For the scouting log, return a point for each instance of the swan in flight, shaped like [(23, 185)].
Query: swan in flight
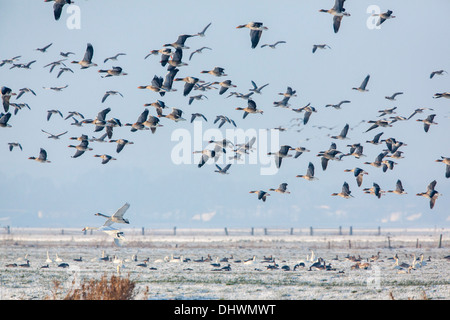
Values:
[(116, 217), (113, 232)]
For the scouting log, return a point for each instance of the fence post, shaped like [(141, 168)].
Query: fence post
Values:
[(226, 231), (292, 231), (389, 242), (142, 231), (340, 230), (310, 231), (440, 241), (265, 231), (351, 230), (379, 230), (253, 231), (349, 244), (174, 231)]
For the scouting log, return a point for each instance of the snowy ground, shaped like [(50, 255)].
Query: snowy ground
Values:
[(173, 279)]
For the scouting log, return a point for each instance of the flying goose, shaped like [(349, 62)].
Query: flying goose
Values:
[(57, 7), (274, 45), (320, 46), (105, 158), (383, 16), (4, 118), (362, 87), (223, 170), (54, 136), (438, 72), (206, 155), (6, 96), (398, 188), (197, 115), (431, 193), (256, 29), (358, 173), (180, 43), (87, 59), (309, 173), (251, 108), (280, 154), (114, 57), (392, 98), (282, 188), (121, 143), (200, 50), (338, 106), (42, 158), (375, 190), (81, 148), (262, 195), (345, 193), (427, 122), (446, 161), (202, 33), (12, 145), (338, 12), (343, 134), (115, 71)]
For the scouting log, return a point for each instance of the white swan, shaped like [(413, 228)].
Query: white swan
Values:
[(113, 232), (57, 259), (250, 261), (48, 260), (116, 217)]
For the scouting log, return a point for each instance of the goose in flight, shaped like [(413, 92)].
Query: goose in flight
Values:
[(197, 115), (446, 161), (224, 86), (9, 61), (223, 170), (42, 158), (418, 110), (392, 98), (58, 6), (62, 70), (282, 188), (66, 54), (44, 49), (442, 95), (362, 87), (155, 86), (189, 84), (338, 106), (375, 190), (438, 72), (379, 123), (309, 173), (289, 92), (383, 16), (114, 57), (427, 122), (299, 151), (139, 124), (105, 157), (115, 71), (202, 33), (338, 12), (81, 148), (111, 231), (87, 59), (25, 90), (175, 115), (54, 64), (121, 143), (152, 122), (12, 145), (387, 111), (284, 103), (54, 136), (378, 160), (358, 173), (330, 154), (343, 134), (280, 154), (52, 112), (110, 93), (206, 155), (345, 193), (320, 46), (251, 108), (274, 45), (398, 188), (262, 195), (6, 96), (180, 43), (23, 65), (200, 50), (308, 112), (431, 193), (216, 71), (117, 217), (4, 118), (257, 89), (57, 89), (223, 119), (256, 29), (376, 139)]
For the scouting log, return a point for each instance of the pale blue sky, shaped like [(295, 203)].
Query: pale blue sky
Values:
[(67, 192)]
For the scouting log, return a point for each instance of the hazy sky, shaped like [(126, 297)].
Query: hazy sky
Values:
[(67, 192)]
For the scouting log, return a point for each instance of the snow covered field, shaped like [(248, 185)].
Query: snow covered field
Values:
[(173, 270)]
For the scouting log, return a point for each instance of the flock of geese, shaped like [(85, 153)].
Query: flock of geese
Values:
[(311, 262), (171, 57)]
